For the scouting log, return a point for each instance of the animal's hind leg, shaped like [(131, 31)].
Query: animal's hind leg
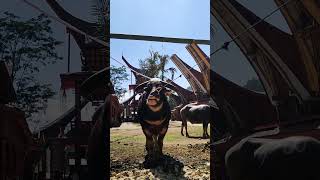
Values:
[(182, 125), (205, 130), (186, 125)]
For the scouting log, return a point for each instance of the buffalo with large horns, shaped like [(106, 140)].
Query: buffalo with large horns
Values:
[(154, 114)]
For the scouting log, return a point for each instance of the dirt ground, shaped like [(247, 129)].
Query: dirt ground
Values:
[(185, 158)]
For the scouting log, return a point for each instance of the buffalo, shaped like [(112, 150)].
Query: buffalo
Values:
[(196, 114), (175, 112), (154, 114), (291, 158)]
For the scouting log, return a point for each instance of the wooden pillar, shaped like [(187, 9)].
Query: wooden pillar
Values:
[(57, 158), (68, 51), (48, 164), (76, 131)]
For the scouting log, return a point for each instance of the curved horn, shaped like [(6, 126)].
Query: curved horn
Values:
[(129, 99), (99, 79), (169, 85), (140, 86)]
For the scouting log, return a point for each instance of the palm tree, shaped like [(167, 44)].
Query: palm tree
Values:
[(164, 59), (149, 66), (154, 65)]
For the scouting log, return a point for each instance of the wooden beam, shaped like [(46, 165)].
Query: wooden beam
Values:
[(158, 39), (313, 7)]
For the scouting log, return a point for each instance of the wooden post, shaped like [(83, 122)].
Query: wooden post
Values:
[(76, 130), (68, 51)]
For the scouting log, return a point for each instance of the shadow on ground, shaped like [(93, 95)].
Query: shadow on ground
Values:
[(168, 167), (198, 137)]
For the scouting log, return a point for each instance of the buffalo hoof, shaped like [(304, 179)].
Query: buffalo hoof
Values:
[(182, 134), (205, 136), (148, 164), (151, 161), (187, 135)]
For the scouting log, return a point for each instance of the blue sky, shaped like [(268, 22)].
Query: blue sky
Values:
[(168, 18)]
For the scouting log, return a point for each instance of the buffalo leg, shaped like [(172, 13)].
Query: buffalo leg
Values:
[(162, 133), (149, 142), (205, 130), (186, 124), (182, 125)]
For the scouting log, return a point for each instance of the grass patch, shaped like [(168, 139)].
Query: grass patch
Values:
[(173, 135), (125, 138)]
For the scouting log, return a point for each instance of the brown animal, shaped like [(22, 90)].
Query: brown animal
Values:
[(154, 115), (116, 110), (175, 113), (293, 158), (196, 114)]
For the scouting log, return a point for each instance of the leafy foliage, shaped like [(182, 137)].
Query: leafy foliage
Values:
[(163, 59), (101, 11), (118, 75), (154, 65), (28, 45)]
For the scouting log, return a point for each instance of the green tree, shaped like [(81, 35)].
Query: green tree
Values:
[(163, 61), (254, 84), (27, 46), (155, 65), (149, 66), (100, 9), (118, 75)]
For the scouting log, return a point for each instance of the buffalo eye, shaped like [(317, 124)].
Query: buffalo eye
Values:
[(166, 91), (148, 87)]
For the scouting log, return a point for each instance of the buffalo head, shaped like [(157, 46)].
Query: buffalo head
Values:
[(154, 91)]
